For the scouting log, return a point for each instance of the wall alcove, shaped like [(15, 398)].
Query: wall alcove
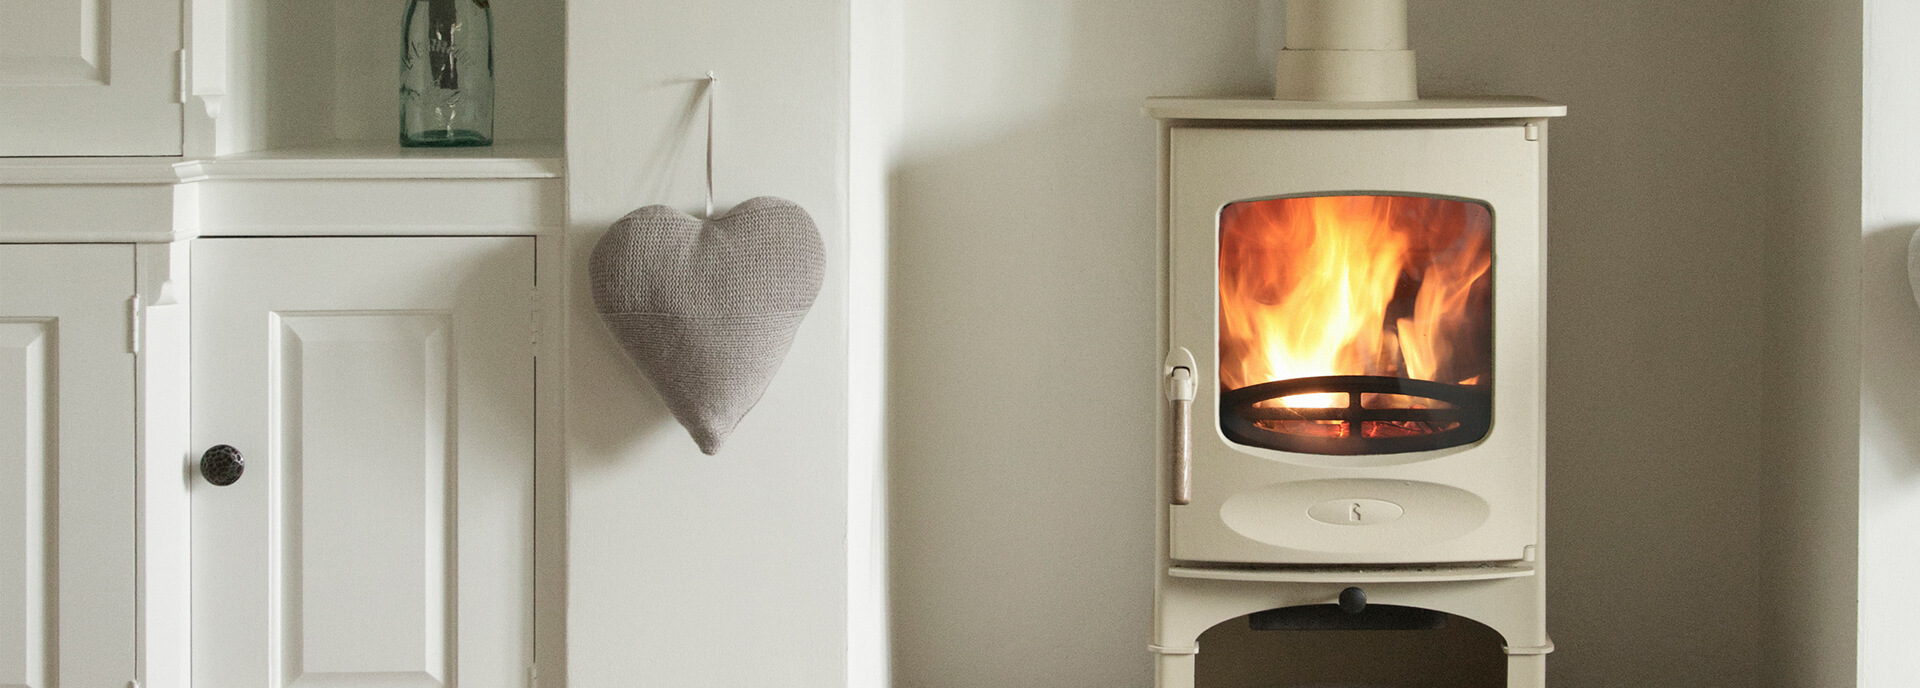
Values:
[(286, 74)]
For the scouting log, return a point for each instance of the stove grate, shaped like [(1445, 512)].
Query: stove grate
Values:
[(1453, 415)]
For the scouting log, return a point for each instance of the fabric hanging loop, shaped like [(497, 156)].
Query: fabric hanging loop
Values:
[(712, 82)]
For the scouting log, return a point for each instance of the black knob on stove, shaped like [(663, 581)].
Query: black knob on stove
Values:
[(1353, 600)]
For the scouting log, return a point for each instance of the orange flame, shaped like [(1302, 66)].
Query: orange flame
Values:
[(1354, 285)]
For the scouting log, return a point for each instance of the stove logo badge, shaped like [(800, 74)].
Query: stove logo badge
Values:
[(1355, 512)]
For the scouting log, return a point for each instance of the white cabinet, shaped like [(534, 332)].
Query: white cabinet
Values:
[(382, 391), (90, 77), (371, 351), (381, 386), (67, 466)]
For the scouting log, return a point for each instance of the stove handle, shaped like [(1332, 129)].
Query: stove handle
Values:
[(1181, 388)]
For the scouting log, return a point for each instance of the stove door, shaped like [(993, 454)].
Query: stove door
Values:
[(1364, 307)]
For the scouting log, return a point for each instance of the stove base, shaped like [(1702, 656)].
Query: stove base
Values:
[(1185, 608)]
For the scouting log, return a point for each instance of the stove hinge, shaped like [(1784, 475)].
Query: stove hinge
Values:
[(1182, 386)]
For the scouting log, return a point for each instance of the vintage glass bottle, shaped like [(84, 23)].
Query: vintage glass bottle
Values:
[(446, 74)]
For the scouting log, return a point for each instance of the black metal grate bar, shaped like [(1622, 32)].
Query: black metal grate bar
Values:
[(1464, 416)]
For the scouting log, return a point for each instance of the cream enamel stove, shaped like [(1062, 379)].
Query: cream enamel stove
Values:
[(1355, 304)]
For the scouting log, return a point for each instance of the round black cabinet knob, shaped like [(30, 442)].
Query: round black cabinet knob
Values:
[(222, 465), (1353, 600)]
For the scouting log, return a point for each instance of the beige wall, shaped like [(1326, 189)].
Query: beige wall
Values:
[(1022, 349), (1659, 210), (1813, 294)]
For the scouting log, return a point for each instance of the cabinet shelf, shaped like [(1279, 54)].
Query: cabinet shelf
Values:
[(508, 188), (343, 160), (350, 188)]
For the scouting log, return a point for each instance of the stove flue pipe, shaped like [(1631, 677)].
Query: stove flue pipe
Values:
[(1346, 51)]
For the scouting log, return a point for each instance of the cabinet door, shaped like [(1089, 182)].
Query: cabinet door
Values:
[(66, 467), (381, 390), (90, 77)]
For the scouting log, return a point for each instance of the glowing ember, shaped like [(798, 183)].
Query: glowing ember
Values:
[(1392, 286)]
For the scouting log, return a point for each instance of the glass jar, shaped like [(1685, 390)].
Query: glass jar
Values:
[(446, 74)]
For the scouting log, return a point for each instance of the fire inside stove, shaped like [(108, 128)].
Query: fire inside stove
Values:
[(1358, 324)]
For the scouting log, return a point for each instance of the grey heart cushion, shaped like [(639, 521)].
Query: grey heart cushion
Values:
[(707, 309)]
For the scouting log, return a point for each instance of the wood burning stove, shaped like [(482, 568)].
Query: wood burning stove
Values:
[(1362, 301), (1355, 308)]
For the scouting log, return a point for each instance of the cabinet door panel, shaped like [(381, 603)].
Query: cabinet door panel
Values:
[(66, 467), (89, 77), (382, 391)]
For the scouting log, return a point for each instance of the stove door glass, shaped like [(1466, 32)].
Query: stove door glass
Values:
[(1356, 324)]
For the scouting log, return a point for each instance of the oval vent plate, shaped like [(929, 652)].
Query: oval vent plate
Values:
[(1321, 515)]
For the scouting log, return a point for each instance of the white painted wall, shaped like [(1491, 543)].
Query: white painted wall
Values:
[(689, 570), (1890, 351), (1022, 358), (877, 47)]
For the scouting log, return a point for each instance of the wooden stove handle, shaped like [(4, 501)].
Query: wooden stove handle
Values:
[(1180, 390)]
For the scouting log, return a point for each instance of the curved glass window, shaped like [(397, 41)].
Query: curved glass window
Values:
[(1356, 324)]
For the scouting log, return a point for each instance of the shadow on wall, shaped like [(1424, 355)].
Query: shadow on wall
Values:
[(610, 416), (1889, 404), (1022, 411), (1023, 340), (1656, 360)]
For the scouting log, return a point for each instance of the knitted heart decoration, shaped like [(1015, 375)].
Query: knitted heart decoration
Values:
[(708, 309)]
